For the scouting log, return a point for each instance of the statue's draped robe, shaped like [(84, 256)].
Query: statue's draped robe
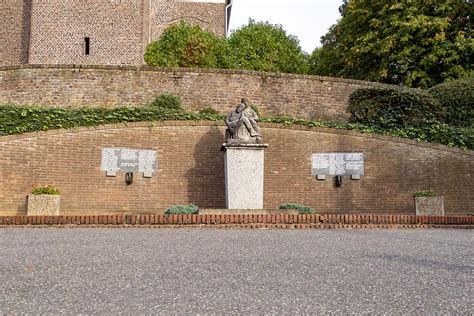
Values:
[(236, 127)]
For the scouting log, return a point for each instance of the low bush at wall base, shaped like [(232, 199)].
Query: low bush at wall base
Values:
[(246, 221)]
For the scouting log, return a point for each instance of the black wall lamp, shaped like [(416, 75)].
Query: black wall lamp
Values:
[(338, 181), (129, 178)]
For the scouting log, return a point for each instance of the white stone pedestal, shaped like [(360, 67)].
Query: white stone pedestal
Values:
[(244, 175)]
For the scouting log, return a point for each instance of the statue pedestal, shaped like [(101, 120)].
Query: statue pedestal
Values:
[(244, 175)]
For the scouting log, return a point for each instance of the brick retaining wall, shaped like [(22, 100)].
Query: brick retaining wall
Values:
[(309, 97), (191, 169)]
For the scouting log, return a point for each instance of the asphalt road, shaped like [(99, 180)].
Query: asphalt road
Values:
[(236, 271)]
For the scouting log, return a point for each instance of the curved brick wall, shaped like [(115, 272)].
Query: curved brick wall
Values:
[(310, 97), (191, 169)]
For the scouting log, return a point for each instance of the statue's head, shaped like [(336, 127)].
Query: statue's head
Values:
[(245, 100), (240, 107)]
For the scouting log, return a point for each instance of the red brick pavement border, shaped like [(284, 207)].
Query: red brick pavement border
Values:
[(322, 221)]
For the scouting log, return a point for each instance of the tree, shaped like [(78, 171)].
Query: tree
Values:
[(184, 45), (314, 61), (266, 47), (417, 43)]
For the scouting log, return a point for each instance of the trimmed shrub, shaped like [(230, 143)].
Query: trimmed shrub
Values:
[(167, 101), (266, 47), (208, 111), (50, 190), (301, 208), (394, 108), (182, 209), (457, 98), (184, 45)]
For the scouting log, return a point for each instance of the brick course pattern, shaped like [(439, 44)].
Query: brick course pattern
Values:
[(191, 169), (309, 97), (54, 31), (58, 29), (316, 221), (210, 16), (14, 31)]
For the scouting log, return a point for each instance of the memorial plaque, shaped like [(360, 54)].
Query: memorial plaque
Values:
[(128, 160), (338, 164), (109, 161)]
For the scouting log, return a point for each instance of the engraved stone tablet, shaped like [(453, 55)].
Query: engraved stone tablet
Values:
[(338, 164), (129, 160), (109, 162), (147, 161)]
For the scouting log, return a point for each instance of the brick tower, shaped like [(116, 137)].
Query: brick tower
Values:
[(96, 32), (15, 16), (210, 15)]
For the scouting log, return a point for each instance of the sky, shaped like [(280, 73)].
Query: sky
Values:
[(306, 19)]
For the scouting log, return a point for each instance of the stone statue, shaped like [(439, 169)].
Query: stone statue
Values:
[(242, 124)]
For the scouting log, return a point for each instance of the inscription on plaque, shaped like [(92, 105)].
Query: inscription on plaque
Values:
[(338, 164), (128, 160)]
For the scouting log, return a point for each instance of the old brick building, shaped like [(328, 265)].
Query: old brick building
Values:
[(96, 32)]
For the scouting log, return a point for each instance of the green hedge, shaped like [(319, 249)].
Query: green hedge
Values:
[(17, 120), (185, 45), (208, 111), (457, 98), (167, 101), (413, 114), (394, 108), (257, 46)]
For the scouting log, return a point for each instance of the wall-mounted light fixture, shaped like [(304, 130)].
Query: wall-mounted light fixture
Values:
[(338, 181), (129, 178)]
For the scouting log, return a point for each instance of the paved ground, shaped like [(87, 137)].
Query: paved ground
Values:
[(236, 271)]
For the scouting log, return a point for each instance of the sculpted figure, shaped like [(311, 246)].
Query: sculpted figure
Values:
[(242, 123), (252, 115)]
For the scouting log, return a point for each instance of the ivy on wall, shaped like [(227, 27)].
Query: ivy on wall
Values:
[(436, 133), (17, 120)]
